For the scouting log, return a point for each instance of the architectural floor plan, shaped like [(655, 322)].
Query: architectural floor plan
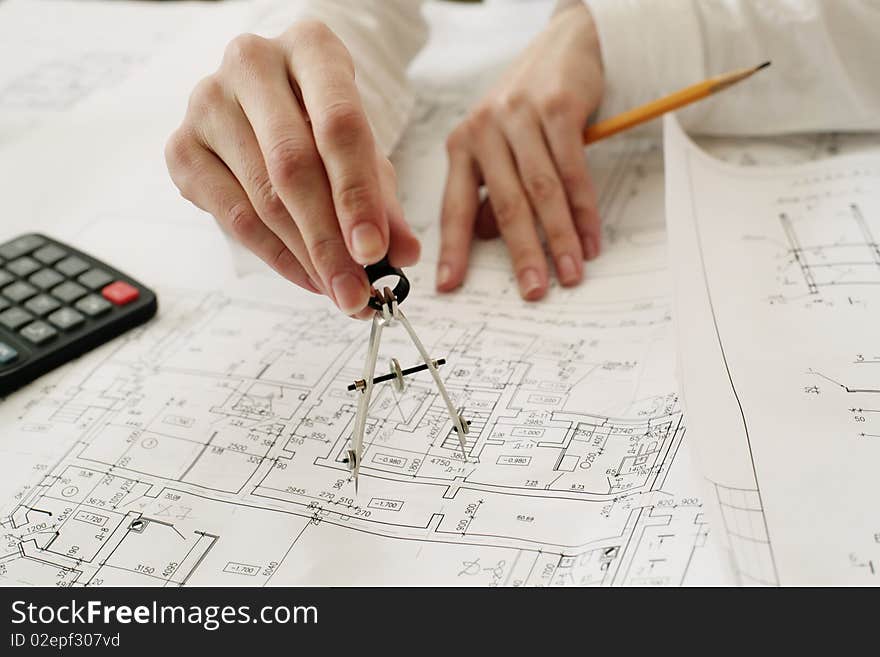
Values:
[(208, 448)]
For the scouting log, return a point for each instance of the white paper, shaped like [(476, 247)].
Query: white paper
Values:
[(57, 54), (207, 444), (777, 302), (218, 430)]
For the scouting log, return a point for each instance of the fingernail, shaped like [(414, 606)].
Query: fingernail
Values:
[(529, 284), (366, 242), (590, 247), (444, 275), (566, 270), (350, 294), (366, 313)]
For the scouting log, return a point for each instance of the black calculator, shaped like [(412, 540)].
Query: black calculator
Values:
[(56, 303)]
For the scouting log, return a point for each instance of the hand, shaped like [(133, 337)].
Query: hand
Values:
[(524, 142), (277, 147)]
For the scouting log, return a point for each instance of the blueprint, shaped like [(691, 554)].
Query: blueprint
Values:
[(207, 447), (778, 298)]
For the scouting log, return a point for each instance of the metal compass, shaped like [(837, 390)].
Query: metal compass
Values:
[(386, 303)]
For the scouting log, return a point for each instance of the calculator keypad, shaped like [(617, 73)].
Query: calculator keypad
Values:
[(49, 295), (66, 319), (42, 304), (68, 291), (93, 305), (7, 353), (120, 293), (46, 278), (19, 291), (95, 279), (50, 254), (38, 332), (21, 246), (23, 266), (72, 266), (14, 317)]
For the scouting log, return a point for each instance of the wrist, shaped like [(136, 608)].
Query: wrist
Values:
[(578, 19), (648, 49), (589, 33)]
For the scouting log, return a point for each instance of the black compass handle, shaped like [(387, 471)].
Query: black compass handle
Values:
[(380, 270)]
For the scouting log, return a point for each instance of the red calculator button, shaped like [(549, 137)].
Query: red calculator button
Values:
[(120, 293)]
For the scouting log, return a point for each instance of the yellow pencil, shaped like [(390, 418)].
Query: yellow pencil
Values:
[(668, 103)]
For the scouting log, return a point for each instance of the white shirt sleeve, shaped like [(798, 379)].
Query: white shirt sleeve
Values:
[(825, 60), (383, 37)]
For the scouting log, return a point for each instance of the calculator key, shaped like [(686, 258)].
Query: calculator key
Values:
[(38, 332), (120, 293), (72, 266), (14, 317), (93, 305), (46, 278), (19, 291), (42, 304), (5, 278), (95, 278), (20, 246), (68, 291), (7, 354), (50, 254), (23, 267), (66, 319)]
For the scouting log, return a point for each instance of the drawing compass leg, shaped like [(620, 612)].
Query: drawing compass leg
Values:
[(386, 303), (365, 385), (458, 422)]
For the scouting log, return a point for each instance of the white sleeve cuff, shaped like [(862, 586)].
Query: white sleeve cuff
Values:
[(383, 36), (649, 48)]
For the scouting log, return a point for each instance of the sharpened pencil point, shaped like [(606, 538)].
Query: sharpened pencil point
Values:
[(668, 103)]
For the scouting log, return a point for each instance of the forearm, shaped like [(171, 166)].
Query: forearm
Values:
[(383, 37), (825, 58)]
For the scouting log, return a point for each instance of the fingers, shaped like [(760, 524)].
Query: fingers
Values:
[(206, 182), (225, 130), (559, 124), (324, 72), (545, 191), (525, 136), (513, 213), (304, 191), (281, 160), (526, 175), (460, 205), (404, 249), (485, 227)]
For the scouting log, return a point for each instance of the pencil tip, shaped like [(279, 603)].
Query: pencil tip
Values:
[(764, 65)]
